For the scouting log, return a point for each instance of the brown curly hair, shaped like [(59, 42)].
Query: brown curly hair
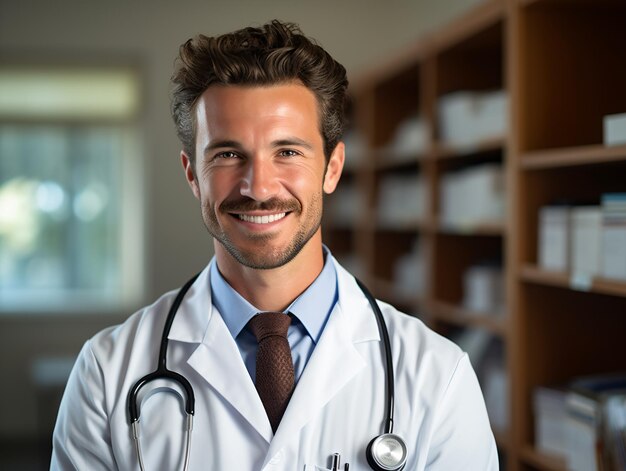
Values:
[(274, 53)]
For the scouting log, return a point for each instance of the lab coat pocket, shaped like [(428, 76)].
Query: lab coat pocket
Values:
[(312, 467)]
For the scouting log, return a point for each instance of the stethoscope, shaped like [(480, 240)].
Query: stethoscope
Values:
[(386, 452)]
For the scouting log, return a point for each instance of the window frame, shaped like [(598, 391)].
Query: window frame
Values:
[(132, 210)]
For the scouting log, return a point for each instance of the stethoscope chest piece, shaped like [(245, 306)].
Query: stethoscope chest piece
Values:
[(387, 452)]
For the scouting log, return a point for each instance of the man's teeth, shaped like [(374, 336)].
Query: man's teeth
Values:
[(261, 219)]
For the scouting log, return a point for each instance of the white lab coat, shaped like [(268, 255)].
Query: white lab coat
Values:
[(337, 406)]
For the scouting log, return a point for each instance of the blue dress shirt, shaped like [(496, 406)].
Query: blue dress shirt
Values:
[(309, 311)]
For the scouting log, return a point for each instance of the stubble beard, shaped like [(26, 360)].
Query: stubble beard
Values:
[(263, 257)]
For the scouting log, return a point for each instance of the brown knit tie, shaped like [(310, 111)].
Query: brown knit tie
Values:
[(274, 366)]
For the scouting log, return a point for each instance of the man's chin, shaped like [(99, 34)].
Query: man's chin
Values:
[(262, 261)]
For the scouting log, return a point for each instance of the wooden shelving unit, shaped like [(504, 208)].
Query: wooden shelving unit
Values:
[(496, 228), (532, 274), (573, 156), (563, 66), (443, 151)]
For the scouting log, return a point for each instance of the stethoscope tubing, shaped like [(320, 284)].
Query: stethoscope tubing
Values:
[(162, 372), (382, 327)]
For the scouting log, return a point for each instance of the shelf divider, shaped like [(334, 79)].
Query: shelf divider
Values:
[(533, 274), (573, 156)]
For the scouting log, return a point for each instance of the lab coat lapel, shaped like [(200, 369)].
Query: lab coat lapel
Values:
[(333, 363), (217, 358), (219, 362)]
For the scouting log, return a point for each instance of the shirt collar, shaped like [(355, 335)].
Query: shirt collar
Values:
[(311, 308)]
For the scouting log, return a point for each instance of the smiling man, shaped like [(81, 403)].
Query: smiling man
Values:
[(282, 357), (260, 175)]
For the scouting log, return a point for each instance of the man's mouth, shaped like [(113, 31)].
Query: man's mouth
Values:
[(265, 219)]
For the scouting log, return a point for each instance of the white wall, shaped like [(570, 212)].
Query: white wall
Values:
[(148, 33)]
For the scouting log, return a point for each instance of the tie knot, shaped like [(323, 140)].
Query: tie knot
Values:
[(267, 324)]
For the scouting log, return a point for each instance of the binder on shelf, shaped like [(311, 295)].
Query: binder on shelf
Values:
[(615, 129), (466, 118), (473, 196), (410, 140), (613, 264), (584, 422), (550, 410), (596, 423), (483, 289), (554, 238), (586, 241), (401, 200), (409, 272)]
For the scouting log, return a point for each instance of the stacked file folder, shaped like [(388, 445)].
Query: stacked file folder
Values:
[(584, 423)]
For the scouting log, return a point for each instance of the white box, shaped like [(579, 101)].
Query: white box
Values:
[(554, 240), (581, 436), (409, 272), (410, 139), (483, 289), (615, 129), (614, 236), (586, 240), (466, 118), (473, 196), (402, 200), (550, 420)]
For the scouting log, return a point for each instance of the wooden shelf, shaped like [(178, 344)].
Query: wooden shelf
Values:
[(444, 151), (573, 156), (493, 229), (542, 461), (389, 160), (534, 274), (558, 63), (452, 314), (418, 225)]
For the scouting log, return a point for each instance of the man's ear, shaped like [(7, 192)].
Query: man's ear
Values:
[(190, 175), (334, 168)]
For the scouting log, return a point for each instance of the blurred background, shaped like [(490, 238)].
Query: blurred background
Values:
[(96, 219), (484, 192)]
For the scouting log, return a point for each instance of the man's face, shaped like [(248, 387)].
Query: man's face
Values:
[(260, 170)]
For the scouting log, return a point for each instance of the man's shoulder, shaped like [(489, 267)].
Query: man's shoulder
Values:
[(145, 324), (409, 330), (407, 333)]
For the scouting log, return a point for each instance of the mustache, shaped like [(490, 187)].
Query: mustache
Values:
[(247, 204)]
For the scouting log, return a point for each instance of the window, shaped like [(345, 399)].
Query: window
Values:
[(70, 203)]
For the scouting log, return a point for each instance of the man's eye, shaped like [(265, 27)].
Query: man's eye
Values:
[(288, 153), (226, 155)]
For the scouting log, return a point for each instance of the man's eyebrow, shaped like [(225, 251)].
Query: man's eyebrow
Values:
[(293, 141)]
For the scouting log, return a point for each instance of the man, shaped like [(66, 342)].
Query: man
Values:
[(260, 113)]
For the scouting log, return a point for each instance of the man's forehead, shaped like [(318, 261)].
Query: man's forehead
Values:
[(255, 94), (284, 104)]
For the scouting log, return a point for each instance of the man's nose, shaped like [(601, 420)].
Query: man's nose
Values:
[(260, 181)]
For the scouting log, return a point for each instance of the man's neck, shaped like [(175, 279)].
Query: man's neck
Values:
[(273, 289)]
